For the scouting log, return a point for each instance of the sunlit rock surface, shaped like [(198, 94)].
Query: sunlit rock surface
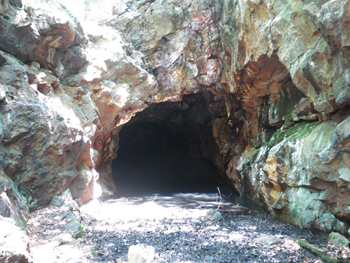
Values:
[(14, 243), (278, 72)]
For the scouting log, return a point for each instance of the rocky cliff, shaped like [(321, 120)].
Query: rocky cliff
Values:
[(275, 77)]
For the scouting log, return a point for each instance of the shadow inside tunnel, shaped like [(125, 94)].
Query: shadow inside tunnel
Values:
[(154, 157)]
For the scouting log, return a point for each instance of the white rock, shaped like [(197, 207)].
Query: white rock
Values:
[(214, 215), (141, 253), (14, 243)]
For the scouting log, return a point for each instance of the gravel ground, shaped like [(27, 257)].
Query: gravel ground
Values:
[(178, 233)]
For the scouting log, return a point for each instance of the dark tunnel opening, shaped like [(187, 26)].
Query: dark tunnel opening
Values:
[(169, 147)]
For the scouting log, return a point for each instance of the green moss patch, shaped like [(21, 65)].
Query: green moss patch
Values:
[(299, 130)]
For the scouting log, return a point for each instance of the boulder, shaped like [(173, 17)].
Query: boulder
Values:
[(338, 239)]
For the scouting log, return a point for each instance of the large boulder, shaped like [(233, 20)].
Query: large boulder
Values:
[(40, 141)]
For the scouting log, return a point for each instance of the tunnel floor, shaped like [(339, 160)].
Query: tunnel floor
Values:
[(168, 148)]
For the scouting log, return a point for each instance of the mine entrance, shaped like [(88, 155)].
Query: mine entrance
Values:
[(169, 147)]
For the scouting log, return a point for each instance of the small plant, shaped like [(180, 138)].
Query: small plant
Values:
[(81, 229), (93, 252), (9, 96), (61, 241), (80, 233)]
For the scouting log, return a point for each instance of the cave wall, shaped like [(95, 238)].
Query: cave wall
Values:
[(281, 69), (287, 62), (68, 85)]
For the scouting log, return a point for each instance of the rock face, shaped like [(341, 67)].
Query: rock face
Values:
[(278, 69), (12, 203), (287, 62)]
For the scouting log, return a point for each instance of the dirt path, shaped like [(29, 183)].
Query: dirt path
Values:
[(177, 234)]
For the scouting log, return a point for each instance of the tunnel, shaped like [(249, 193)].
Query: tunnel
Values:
[(170, 147)]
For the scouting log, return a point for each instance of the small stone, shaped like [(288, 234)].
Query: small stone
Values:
[(214, 215), (66, 200), (304, 107), (312, 117), (267, 240), (338, 239), (44, 87), (141, 253), (35, 65), (64, 238), (75, 227)]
